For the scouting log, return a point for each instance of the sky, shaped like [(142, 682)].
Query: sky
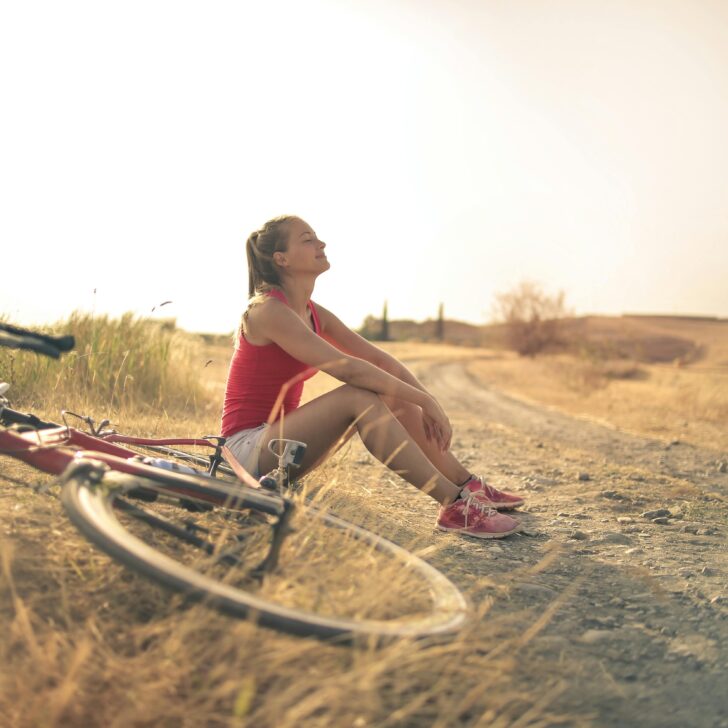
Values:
[(445, 150)]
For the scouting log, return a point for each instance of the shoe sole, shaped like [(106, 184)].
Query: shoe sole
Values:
[(463, 532), (506, 506)]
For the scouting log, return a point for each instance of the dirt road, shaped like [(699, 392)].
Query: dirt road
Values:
[(633, 587)]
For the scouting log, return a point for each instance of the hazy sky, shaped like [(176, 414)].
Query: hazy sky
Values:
[(444, 150)]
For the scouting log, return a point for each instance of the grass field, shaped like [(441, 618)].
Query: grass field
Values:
[(87, 643)]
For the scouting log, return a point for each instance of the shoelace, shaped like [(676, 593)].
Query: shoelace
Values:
[(471, 501), (489, 490)]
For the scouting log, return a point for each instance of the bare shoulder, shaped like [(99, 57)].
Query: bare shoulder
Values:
[(262, 316)]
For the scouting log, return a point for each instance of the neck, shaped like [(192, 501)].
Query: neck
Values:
[(298, 292)]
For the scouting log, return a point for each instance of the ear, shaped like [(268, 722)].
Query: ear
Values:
[(280, 259)]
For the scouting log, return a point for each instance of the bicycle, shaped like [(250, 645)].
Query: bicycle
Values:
[(226, 547)]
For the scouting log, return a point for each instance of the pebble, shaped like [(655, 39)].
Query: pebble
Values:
[(594, 636), (635, 550), (659, 513), (718, 599), (660, 520), (707, 571), (625, 519), (619, 538), (612, 494), (535, 590), (584, 476), (578, 536), (722, 467)]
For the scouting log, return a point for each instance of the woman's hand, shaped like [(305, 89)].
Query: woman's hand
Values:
[(437, 425)]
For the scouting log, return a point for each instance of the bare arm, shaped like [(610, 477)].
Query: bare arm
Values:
[(277, 322), (346, 340)]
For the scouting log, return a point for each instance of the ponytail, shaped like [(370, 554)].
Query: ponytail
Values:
[(263, 272)]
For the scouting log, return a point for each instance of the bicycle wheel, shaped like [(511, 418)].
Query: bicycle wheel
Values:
[(333, 580)]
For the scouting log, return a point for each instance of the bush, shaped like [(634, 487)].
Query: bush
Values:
[(532, 317)]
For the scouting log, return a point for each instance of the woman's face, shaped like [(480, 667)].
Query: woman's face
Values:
[(305, 253)]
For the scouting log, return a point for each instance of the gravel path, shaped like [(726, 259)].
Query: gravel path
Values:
[(625, 558)]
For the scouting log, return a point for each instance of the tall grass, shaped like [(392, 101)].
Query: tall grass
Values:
[(118, 363)]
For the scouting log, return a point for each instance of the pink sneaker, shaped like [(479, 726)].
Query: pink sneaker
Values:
[(470, 516), (498, 499)]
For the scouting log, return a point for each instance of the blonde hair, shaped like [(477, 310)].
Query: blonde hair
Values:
[(263, 273)]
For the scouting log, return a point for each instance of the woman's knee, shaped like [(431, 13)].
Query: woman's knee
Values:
[(359, 399)]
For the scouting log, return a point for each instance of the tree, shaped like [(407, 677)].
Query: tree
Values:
[(532, 317), (440, 325), (385, 324)]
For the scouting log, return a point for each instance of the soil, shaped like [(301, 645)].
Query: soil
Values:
[(619, 581)]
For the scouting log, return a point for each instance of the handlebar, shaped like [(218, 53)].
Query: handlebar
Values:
[(15, 337)]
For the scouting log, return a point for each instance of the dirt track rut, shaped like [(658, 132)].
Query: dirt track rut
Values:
[(639, 631)]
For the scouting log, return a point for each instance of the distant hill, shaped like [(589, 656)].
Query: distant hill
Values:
[(646, 338)]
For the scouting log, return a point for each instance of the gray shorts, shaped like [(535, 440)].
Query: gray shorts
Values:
[(245, 446)]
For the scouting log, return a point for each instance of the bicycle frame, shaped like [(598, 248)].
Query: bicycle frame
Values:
[(54, 449)]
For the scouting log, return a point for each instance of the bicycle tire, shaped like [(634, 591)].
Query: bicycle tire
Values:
[(90, 506)]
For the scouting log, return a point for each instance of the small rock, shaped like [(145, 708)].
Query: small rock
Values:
[(594, 636), (675, 442), (611, 494), (718, 599), (578, 536), (690, 528), (660, 520), (707, 571), (618, 538), (539, 444), (529, 532), (659, 513), (534, 590), (723, 466), (635, 550), (584, 476), (625, 519)]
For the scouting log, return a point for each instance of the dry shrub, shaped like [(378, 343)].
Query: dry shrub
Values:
[(587, 374), (532, 317), (127, 362)]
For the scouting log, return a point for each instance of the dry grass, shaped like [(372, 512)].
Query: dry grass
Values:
[(125, 365), (690, 403), (88, 643)]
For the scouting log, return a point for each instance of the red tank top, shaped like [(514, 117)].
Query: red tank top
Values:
[(255, 379)]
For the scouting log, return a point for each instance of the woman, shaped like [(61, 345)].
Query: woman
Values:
[(283, 336)]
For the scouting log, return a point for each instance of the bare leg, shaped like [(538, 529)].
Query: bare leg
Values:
[(322, 422), (410, 415)]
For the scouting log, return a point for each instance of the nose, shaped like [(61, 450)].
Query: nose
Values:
[(322, 244)]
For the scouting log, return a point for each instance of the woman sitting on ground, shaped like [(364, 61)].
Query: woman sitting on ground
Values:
[(284, 335)]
